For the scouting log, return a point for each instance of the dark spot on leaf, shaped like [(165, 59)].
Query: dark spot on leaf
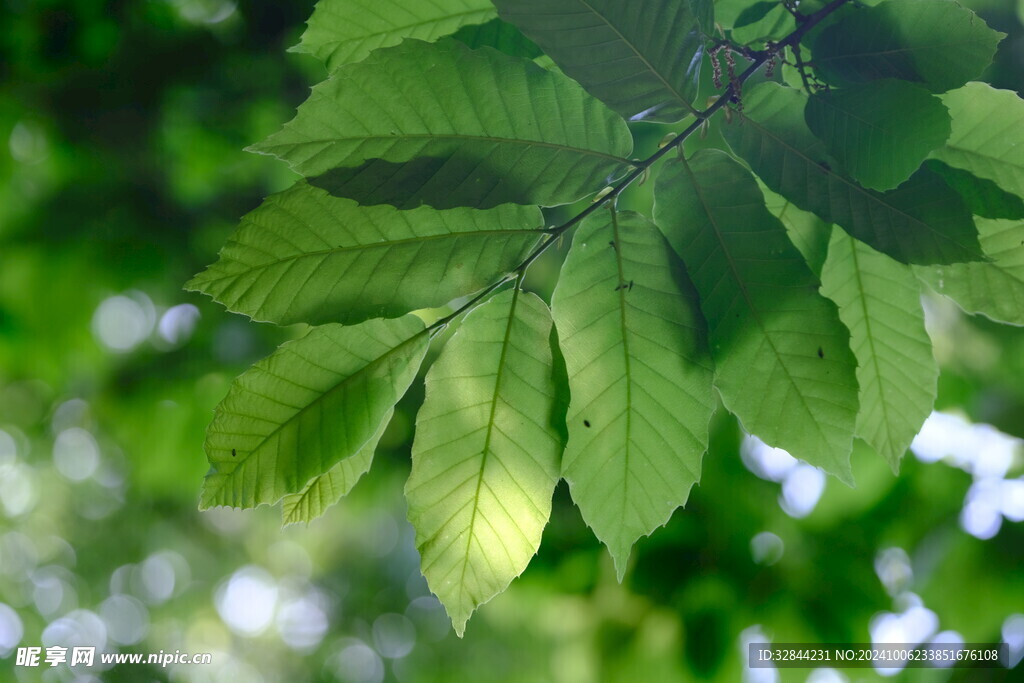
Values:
[(821, 352), (824, 165), (586, 423), (233, 454)]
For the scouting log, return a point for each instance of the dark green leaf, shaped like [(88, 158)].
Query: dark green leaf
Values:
[(983, 196), (643, 60), (304, 256), (881, 131), (345, 31), (880, 302), (513, 132), (754, 13), (500, 35), (783, 363), (752, 22), (309, 405), (937, 43), (922, 221), (485, 459), (639, 376), (807, 232)]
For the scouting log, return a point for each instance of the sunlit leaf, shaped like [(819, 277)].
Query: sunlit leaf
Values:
[(783, 363), (639, 377), (414, 115), (333, 485), (880, 302), (641, 59), (881, 131), (305, 256), (921, 221), (485, 456), (309, 405), (993, 288), (345, 31), (988, 135), (938, 43)]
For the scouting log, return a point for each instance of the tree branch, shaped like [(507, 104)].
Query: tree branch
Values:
[(642, 167)]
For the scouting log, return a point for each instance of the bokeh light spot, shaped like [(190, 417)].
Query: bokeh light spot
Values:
[(76, 454), (247, 601), (124, 321)]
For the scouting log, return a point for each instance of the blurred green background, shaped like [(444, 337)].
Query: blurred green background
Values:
[(121, 174)]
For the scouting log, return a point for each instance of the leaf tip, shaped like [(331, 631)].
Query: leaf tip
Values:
[(196, 283), (620, 558), (845, 475), (460, 628)]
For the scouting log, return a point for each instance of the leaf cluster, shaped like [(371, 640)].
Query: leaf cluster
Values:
[(780, 270)]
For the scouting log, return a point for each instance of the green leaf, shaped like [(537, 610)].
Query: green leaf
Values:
[(880, 302), (345, 31), (983, 196), (458, 127), (305, 256), (327, 489), (783, 363), (309, 405), (642, 61), (937, 43), (751, 22), (754, 13), (808, 233), (775, 25), (500, 35), (994, 288), (639, 378), (881, 131), (922, 221), (988, 136), (485, 456)]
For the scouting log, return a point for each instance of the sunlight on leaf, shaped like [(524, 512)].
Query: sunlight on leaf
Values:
[(880, 302), (311, 404), (639, 378), (485, 456)]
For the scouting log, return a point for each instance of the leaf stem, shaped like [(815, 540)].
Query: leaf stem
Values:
[(640, 168)]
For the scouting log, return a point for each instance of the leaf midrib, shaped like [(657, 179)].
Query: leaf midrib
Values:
[(243, 460), (699, 190), (899, 51), (650, 67), (349, 162), (852, 244), (487, 438), (364, 247), (627, 368)]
